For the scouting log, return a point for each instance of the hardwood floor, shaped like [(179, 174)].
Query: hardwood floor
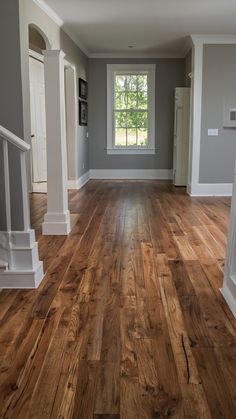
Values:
[(128, 322)]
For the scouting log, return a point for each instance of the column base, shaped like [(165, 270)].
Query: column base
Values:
[(56, 224), (229, 293), (10, 279), (23, 268)]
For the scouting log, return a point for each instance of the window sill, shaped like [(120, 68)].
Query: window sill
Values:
[(130, 151)]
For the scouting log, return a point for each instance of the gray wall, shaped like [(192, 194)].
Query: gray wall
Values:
[(11, 101), (170, 73), (79, 59), (218, 154)]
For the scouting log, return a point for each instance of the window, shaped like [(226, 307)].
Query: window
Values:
[(131, 109)]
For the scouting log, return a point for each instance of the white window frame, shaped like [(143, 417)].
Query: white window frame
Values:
[(112, 70)]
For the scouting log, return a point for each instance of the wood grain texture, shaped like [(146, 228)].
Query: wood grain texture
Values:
[(129, 322)]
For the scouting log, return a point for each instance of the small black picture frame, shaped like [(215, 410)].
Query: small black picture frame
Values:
[(83, 113), (83, 89)]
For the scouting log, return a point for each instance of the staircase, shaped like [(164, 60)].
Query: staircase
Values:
[(19, 262)]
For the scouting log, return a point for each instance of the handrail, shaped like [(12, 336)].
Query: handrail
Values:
[(13, 139)]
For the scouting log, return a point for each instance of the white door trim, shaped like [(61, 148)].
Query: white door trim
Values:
[(36, 55), (199, 41)]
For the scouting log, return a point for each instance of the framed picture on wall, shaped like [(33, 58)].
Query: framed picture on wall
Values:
[(83, 113), (83, 89)]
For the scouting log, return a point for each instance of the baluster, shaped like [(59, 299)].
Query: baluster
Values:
[(25, 196), (7, 197)]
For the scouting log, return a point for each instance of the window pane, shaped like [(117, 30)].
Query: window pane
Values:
[(131, 137), (142, 100), (142, 137), (142, 119), (121, 119), (131, 110), (131, 119), (120, 137), (120, 83), (142, 82), (131, 100), (131, 83), (120, 101)]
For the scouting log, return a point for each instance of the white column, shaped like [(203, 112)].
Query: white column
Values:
[(57, 218), (196, 118), (229, 286)]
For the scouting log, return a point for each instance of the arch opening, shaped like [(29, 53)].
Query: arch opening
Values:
[(37, 39)]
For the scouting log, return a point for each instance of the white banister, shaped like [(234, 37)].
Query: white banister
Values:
[(13, 139), (19, 263), (229, 286)]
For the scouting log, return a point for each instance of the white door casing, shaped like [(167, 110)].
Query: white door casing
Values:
[(38, 120)]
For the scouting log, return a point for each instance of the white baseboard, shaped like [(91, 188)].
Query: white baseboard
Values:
[(80, 182), (40, 187), (210, 189), (229, 298), (140, 174)]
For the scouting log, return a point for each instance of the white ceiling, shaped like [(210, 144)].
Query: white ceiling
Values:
[(153, 27)]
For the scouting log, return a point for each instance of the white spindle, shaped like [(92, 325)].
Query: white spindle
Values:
[(25, 195), (7, 185)]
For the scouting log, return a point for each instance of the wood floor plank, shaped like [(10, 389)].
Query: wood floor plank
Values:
[(129, 321)]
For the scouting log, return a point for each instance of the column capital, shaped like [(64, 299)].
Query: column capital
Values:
[(53, 53)]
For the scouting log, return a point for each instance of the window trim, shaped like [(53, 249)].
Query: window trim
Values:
[(113, 69)]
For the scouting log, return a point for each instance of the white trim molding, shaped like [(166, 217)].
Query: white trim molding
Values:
[(58, 20), (229, 286), (230, 297), (136, 55), (112, 71), (39, 187), (210, 189), (138, 174), (80, 182), (49, 12), (194, 187), (213, 39), (57, 224)]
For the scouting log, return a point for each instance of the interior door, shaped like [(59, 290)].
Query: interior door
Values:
[(38, 120)]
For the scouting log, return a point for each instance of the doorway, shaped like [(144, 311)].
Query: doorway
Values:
[(37, 110), (38, 123)]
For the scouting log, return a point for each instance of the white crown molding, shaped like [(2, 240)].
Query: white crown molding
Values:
[(137, 55), (54, 16), (76, 40), (188, 45), (213, 39), (49, 11)]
